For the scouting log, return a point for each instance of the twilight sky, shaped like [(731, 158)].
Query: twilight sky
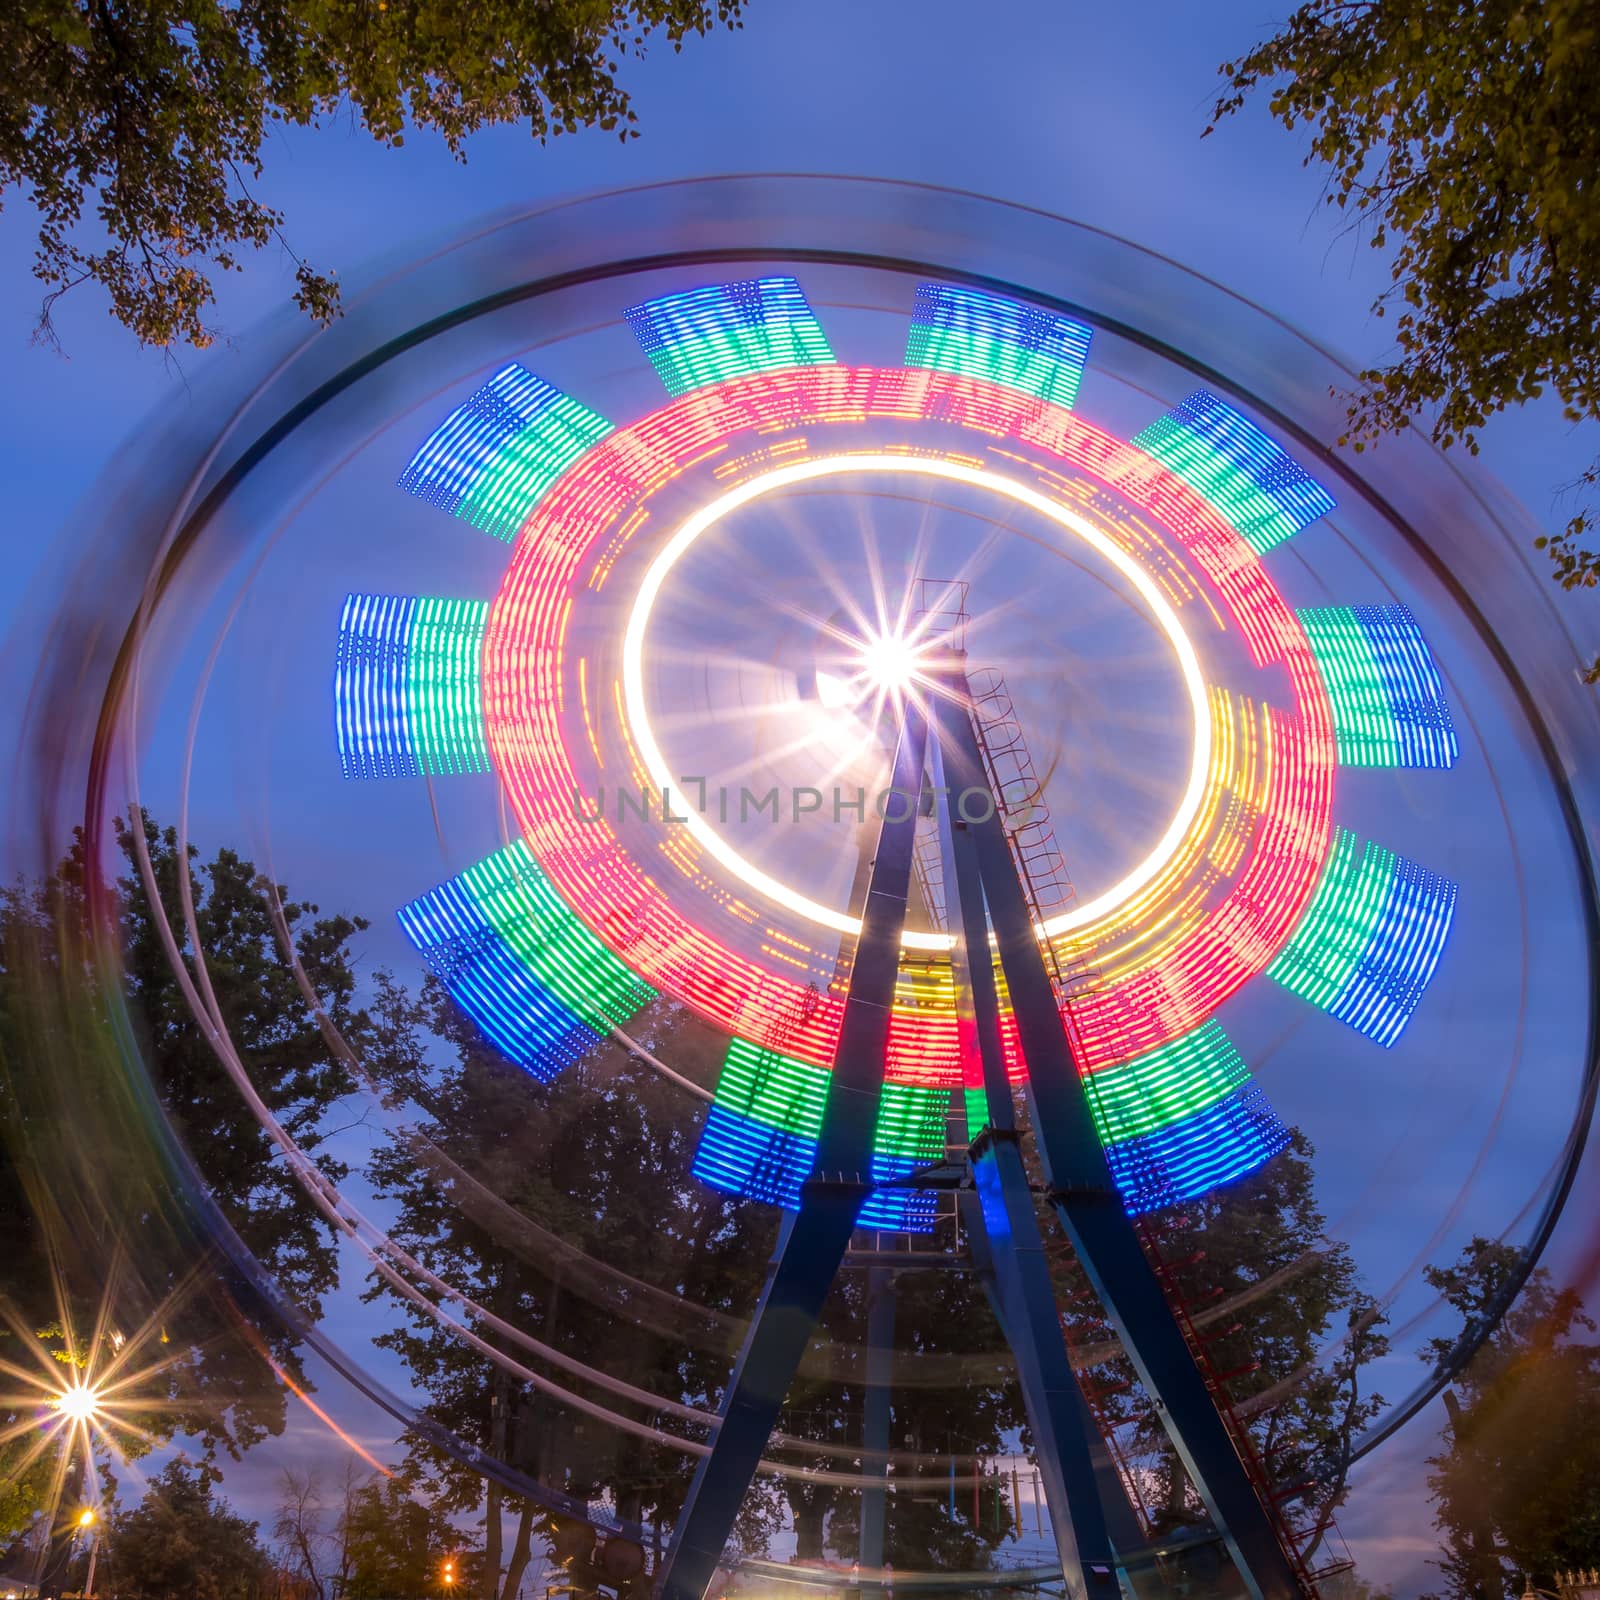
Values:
[(1094, 112)]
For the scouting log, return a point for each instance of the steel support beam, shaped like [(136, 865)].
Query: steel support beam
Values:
[(1082, 1488), (1086, 1199), (1003, 1225), (830, 1200)]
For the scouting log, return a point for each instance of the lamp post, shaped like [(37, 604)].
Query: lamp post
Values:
[(79, 1405), (88, 1522), (449, 1577)]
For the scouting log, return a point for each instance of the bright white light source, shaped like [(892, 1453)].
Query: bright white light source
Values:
[(889, 662), (78, 1404), (1083, 912)]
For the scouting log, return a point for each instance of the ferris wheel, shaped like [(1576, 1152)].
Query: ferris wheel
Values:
[(894, 626), (566, 932)]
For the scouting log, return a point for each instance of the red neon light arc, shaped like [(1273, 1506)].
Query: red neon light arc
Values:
[(523, 695)]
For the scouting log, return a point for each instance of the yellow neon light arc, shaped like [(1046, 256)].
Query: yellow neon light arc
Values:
[(830, 466)]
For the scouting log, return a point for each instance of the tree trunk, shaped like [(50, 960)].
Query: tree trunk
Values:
[(491, 1543), (521, 1549), (492, 1534), (1487, 1576), (810, 1514), (1177, 1507), (309, 1561)]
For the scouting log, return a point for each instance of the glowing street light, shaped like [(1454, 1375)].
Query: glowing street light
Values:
[(80, 1404), (87, 1523), (99, 1403)]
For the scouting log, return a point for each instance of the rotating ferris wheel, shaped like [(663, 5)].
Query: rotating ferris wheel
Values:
[(564, 934), (939, 647), (558, 938)]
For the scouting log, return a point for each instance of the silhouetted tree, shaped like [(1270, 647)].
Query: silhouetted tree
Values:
[(98, 1224), (513, 1181), (1270, 1291), (1466, 143), (1517, 1490), (600, 1159), (184, 1539), (395, 1545), (153, 117)]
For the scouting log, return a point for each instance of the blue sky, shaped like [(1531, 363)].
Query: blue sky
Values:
[(1091, 111)]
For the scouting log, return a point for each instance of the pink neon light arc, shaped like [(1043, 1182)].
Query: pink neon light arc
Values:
[(523, 695)]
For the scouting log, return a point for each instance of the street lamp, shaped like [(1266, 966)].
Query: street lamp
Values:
[(80, 1404), (449, 1577), (87, 1523)]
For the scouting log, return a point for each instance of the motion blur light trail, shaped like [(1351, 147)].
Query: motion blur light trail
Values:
[(407, 687), (704, 336), (1261, 657), (491, 460), (1003, 341), (750, 355), (1389, 708), (1254, 482), (1370, 940)]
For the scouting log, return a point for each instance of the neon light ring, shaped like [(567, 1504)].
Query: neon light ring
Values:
[(1304, 730)]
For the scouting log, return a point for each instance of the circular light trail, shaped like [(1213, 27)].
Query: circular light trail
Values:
[(1284, 773), (889, 657), (1170, 954)]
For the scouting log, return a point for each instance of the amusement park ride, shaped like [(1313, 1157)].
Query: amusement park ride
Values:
[(985, 883), (927, 1021), (807, 1112)]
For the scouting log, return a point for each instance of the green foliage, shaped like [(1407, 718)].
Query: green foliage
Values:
[(103, 1251), (284, 1051), (1282, 1308), (395, 1545), (1466, 141), (369, 1541), (24, 1485), (1517, 1492), (517, 1193), (184, 1539), (24, 1476), (135, 127)]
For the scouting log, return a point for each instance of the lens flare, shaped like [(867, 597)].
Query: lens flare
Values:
[(889, 661), (80, 1403)]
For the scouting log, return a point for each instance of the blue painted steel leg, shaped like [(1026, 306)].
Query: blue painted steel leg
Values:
[(876, 1414), (1086, 1199), (830, 1200), (1004, 1234)]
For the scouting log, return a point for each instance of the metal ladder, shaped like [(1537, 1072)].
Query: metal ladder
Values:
[(1048, 888)]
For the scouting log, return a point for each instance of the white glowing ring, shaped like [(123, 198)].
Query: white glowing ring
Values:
[(829, 466)]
